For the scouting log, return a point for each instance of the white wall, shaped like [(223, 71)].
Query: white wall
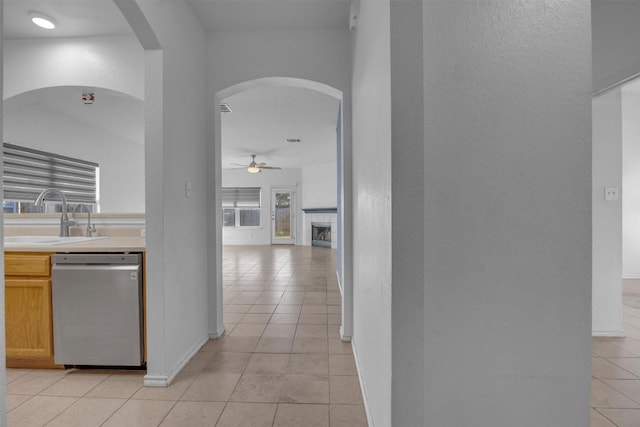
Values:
[(265, 180), (320, 185), (616, 50), (176, 152), (114, 62), (630, 180), (507, 93), (239, 56), (408, 187), (372, 209), (607, 215)]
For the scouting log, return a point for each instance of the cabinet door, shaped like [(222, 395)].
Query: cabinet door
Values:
[(28, 317)]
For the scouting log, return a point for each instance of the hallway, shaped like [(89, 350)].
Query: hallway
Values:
[(280, 363)]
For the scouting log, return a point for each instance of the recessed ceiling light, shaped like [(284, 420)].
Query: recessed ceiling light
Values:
[(42, 20)]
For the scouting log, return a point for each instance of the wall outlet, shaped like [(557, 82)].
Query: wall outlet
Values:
[(611, 193), (187, 189)]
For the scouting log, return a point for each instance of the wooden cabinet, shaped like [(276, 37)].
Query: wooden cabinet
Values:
[(28, 317)]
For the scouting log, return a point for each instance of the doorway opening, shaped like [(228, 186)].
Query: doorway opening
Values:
[(285, 183)]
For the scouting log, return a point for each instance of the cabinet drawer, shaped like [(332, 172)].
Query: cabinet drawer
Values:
[(27, 264)]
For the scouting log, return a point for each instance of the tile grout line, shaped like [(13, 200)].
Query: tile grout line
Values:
[(605, 417)]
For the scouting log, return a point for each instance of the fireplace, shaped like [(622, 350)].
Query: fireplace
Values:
[(321, 234), (320, 227)]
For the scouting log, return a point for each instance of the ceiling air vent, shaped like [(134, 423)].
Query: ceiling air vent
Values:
[(224, 108), (292, 140)]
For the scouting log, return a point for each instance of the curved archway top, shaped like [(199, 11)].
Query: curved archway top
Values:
[(278, 81), (99, 88)]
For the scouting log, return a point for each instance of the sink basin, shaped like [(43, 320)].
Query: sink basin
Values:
[(46, 240)]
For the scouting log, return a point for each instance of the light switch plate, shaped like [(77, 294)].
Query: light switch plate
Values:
[(187, 189), (611, 193)]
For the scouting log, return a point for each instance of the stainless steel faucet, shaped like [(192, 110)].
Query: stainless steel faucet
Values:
[(90, 228), (65, 223)]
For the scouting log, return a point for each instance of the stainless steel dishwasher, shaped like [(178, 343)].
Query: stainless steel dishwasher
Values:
[(97, 309)]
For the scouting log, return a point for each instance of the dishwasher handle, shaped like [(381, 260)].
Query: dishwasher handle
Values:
[(90, 259), (95, 267)]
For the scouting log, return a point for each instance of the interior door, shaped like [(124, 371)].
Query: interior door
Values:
[(283, 229)]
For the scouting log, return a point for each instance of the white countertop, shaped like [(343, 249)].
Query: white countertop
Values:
[(107, 244)]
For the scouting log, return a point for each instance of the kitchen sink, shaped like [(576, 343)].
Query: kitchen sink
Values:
[(46, 240)]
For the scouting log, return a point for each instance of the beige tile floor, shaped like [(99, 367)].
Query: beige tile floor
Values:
[(615, 369), (280, 363)]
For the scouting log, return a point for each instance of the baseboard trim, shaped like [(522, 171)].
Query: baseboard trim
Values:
[(216, 335), (165, 380), (343, 337), (619, 333), (365, 401), (155, 381)]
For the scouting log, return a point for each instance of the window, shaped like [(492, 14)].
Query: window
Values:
[(241, 206), (27, 172)]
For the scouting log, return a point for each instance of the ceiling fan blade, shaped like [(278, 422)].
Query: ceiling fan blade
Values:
[(270, 167), (261, 164), (237, 164)]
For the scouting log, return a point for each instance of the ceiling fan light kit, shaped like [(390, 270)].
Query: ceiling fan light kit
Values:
[(255, 167)]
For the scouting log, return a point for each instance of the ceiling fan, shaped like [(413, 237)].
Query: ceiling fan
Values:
[(254, 167)]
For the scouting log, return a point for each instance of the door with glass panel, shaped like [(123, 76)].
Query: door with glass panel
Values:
[(283, 230)]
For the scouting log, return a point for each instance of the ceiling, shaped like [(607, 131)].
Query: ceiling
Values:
[(74, 18), (85, 18), (262, 118), (250, 15)]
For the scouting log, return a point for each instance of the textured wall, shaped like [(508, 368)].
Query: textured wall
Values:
[(616, 51), (320, 186), (607, 215), (114, 62), (630, 181), (175, 152), (507, 91), (372, 208)]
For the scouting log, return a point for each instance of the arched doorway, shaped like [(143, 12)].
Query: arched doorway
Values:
[(216, 325)]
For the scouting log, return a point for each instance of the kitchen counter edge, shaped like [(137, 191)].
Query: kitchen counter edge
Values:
[(109, 244)]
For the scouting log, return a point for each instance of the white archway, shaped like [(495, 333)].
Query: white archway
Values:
[(216, 325)]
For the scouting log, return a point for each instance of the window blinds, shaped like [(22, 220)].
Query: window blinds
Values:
[(27, 172), (241, 197)]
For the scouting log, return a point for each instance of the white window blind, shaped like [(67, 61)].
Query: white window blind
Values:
[(27, 172), (241, 197)]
